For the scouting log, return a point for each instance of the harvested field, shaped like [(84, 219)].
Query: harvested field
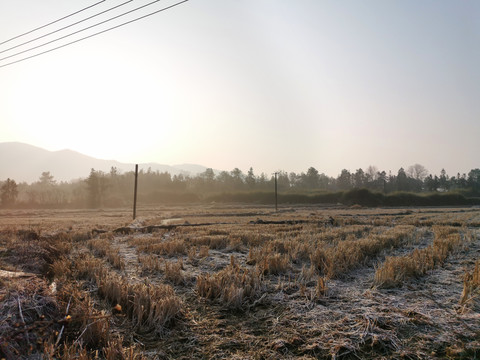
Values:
[(235, 282)]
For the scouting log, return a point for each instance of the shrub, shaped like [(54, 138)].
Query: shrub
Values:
[(362, 197)]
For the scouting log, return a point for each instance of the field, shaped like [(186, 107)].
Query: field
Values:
[(237, 282)]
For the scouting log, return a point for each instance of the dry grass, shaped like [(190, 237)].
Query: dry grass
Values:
[(268, 259), (80, 313), (395, 270), (151, 307), (334, 261), (170, 248), (150, 263), (61, 268), (28, 317), (88, 267), (115, 258), (274, 263), (155, 238), (232, 286), (56, 321), (115, 351), (173, 272), (99, 246), (102, 247), (321, 289), (300, 289), (203, 251), (214, 242), (471, 287)]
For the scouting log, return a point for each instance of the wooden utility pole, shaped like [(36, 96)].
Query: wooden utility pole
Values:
[(276, 193), (135, 193)]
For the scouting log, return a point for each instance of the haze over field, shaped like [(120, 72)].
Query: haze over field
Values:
[(268, 84)]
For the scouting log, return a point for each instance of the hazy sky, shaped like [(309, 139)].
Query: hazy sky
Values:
[(272, 84)]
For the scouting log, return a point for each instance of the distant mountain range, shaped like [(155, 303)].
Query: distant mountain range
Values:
[(25, 163)]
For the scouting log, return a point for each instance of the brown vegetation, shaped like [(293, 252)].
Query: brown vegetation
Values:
[(259, 284), (471, 287), (395, 270), (232, 286)]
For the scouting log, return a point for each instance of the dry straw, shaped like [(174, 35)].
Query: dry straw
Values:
[(232, 286), (396, 269), (471, 286)]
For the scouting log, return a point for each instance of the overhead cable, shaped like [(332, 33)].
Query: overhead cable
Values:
[(79, 31), (95, 34), (65, 27), (51, 23)]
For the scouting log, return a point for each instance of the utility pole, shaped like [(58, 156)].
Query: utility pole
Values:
[(276, 194), (135, 193)]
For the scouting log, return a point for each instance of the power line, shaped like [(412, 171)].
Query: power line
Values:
[(79, 31), (51, 23), (65, 27), (95, 34)]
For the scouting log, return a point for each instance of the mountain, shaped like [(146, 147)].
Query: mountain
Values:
[(25, 163)]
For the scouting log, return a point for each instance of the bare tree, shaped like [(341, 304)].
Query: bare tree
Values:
[(371, 173), (417, 171)]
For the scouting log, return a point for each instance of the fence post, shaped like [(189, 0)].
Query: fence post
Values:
[(135, 193), (276, 194)]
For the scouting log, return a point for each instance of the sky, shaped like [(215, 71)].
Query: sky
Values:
[(268, 84)]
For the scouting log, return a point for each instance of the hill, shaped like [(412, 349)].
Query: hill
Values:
[(25, 163)]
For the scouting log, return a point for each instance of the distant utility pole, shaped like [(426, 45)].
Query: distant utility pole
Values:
[(276, 193), (135, 193)]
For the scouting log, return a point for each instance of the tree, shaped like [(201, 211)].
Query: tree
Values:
[(359, 179), (324, 181), (205, 181), (9, 192), (283, 182), (311, 179), (44, 191), (237, 178), (431, 183), (262, 182), (344, 180), (461, 180), (179, 182), (382, 180), (114, 172), (371, 173), (208, 175), (46, 178), (402, 180), (474, 179), (250, 179), (417, 171), (96, 186), (443, 180)]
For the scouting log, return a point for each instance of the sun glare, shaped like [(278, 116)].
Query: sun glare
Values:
[(92, 107)]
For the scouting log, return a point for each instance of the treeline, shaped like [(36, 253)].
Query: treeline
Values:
[(363, 197), (413, 186)]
